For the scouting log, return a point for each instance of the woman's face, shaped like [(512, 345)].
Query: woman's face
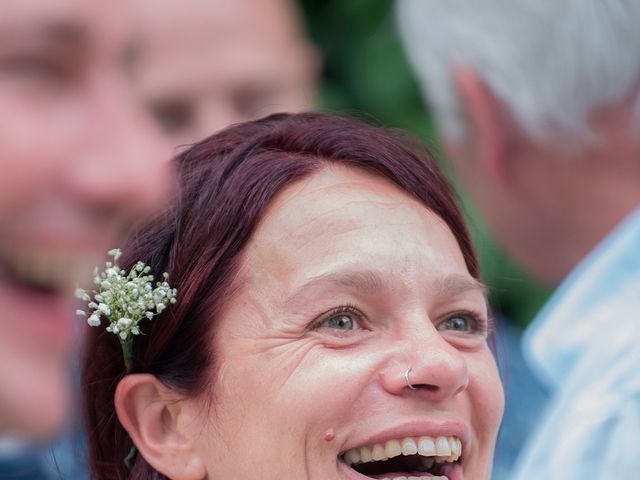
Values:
[(347, 283)]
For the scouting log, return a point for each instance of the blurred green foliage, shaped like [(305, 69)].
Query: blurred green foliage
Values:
[(366, 74)]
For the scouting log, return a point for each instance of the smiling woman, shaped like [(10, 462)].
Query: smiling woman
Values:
[(330, 322)]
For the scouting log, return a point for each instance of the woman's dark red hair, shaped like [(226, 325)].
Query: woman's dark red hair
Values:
[(225, 183)]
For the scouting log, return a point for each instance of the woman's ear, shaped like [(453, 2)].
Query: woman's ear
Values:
[(157, 420), (489, 123)]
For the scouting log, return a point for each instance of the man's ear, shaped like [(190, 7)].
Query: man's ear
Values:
[(157, 420), (489, 123)]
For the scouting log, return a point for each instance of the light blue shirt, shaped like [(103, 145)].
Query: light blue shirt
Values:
[(585, 347), (525, 399)]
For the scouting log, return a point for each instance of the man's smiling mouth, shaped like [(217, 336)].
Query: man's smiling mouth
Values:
[(44, 271), (407, 458)]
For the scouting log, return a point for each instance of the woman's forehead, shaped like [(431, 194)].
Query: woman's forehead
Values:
[(335, 194), (346, 216)]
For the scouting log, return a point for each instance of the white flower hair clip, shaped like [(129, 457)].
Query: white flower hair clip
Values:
[(124, 300)]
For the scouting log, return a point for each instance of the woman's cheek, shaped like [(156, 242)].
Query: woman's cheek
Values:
[(486, 392)]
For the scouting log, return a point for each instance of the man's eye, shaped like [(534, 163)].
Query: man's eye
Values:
[(252, 102), (342, 318), (33, 67), (173, 115)]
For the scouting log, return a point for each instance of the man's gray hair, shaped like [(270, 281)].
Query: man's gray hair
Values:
[(551, 62)]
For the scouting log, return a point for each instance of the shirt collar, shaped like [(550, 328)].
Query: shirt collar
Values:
[(580, 309)]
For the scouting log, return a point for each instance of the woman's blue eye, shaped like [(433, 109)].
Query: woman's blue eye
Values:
[(461, 322), (343, 319), (339, 322)]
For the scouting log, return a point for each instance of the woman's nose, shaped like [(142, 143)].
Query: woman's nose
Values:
[(434, 370)]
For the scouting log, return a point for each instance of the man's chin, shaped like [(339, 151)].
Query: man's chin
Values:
[(34, 400)]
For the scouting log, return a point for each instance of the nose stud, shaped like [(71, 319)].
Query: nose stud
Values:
[(406, 378)]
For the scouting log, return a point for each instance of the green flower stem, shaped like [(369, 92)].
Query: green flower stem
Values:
[(127, 353), (131, 456)]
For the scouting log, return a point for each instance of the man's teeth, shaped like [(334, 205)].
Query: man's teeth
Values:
[(51, 269), (434, 449)]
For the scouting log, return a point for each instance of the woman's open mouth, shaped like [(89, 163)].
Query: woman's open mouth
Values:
[(409, 458)]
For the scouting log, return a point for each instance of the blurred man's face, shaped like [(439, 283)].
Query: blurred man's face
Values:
[(205, 64), (78, 162)]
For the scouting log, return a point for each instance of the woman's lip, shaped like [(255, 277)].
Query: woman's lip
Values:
[(454, 472), (417, 428), (350, 473)]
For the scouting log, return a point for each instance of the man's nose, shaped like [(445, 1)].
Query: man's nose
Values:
[(122, 164), (427, 366)]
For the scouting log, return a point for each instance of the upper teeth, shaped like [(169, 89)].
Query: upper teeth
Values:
[(439, 449)]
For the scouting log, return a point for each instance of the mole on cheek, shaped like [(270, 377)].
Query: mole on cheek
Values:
[(329, 435)]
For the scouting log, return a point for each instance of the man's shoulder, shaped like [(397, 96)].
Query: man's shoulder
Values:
[(593, 318)]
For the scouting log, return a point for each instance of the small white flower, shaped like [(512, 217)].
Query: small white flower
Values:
[(125, 298), (82, 295), (124, 323)]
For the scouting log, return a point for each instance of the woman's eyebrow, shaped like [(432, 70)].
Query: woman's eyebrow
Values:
[(454, 285), (365, 281), (371, 282)]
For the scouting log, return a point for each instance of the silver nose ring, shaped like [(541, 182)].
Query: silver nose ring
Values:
[(406, 378)]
